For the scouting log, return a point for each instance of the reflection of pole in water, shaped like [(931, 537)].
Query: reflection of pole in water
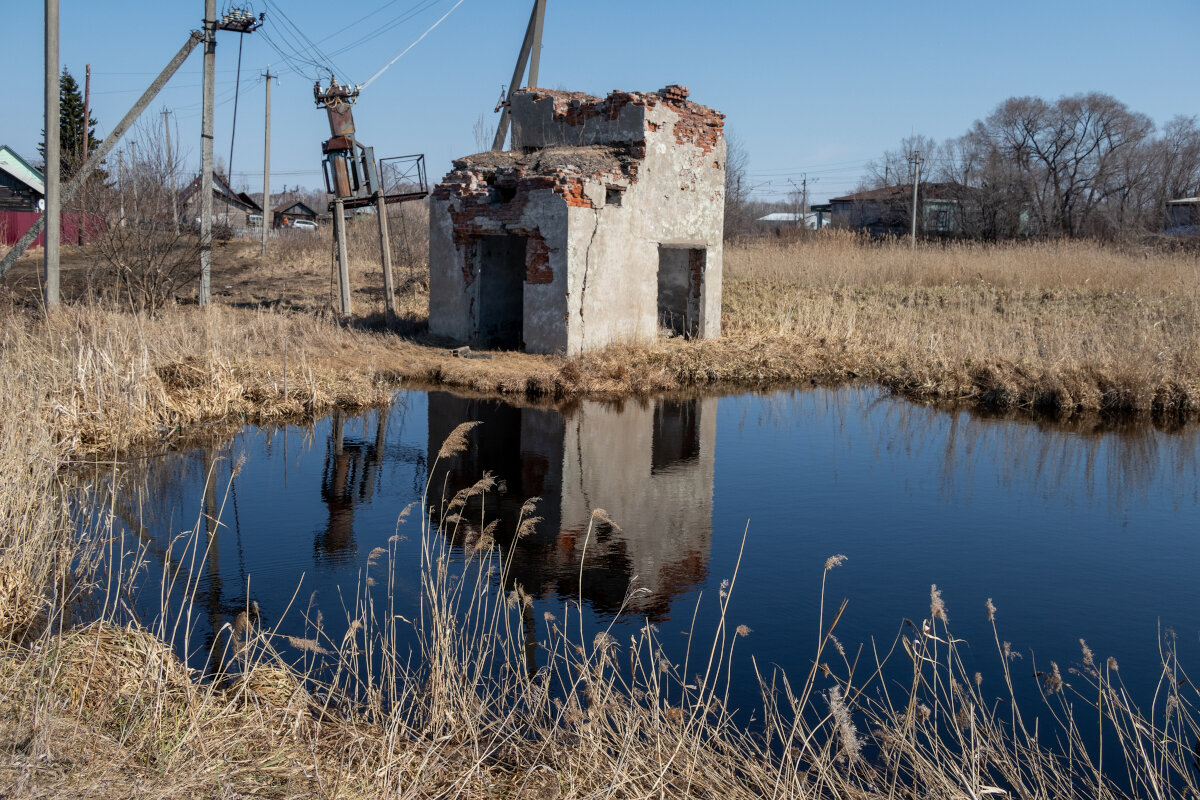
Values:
[(212, 518), (527, 624)]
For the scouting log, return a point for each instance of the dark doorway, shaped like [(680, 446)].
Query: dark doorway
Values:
[(501, 299), (676, 434), (680, 288)]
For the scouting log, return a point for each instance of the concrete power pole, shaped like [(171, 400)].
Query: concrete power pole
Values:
[(266, 216), (916, 185), (206, 150), (531, 44), (171, 172), (53, 159)]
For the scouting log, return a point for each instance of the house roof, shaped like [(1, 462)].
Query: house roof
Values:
[(930, 191), (222, 189), (787, 216), (297, 208), (20, 169)]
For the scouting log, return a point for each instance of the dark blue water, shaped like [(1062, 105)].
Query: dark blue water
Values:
[(1086, 532)]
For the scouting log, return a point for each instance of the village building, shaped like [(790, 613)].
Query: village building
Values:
[(22, 188), (602, 224), (887, 211), (236, 210), (1183, 216), (287, 217)]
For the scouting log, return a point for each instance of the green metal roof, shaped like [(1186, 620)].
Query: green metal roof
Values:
[(20, 169)]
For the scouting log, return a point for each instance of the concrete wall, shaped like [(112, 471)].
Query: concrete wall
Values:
[(663, 510), (678, 200), (595, 280)]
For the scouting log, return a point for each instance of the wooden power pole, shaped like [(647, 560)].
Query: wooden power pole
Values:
[(171, 171), (87, 135), (53, 159), (916, 186), (266, 205)]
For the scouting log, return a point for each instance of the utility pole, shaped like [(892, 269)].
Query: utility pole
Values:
[(801, 191), (206, 150), (266, 204), (531, 43), (171, 172), (87, 135), (53, 159), (916, 160), (133, 169), (535, 54)]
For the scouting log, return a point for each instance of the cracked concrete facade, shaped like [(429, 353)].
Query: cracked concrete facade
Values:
[(603, 224)]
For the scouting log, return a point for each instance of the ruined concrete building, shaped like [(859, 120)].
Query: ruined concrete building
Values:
[(603, 224)]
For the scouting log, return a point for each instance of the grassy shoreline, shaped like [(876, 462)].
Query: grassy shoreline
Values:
[(1064, 329), (1056, 329)]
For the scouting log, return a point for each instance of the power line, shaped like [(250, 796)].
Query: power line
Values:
[(428, 31), (326, 62), (415, 9), (388, 26)]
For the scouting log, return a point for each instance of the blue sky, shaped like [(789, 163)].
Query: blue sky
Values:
[(816, 88)]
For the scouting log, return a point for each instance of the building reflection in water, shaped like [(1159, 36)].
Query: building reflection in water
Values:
[(351, 472), (650, 466)]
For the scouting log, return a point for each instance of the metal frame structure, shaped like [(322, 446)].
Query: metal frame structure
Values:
[(352, 176)]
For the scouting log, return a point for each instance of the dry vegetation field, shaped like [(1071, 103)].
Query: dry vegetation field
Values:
[(109, 711)]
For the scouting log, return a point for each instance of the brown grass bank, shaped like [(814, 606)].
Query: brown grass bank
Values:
[(1058, 327)]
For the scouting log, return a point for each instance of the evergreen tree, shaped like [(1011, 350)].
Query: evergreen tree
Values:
[(71, 129)]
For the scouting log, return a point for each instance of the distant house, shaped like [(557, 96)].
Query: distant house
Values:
[(286, 217), (1183, 216), (22, 188), (888, 211), (234, 209)]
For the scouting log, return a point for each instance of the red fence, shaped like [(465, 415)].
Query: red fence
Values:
[(13, 225)]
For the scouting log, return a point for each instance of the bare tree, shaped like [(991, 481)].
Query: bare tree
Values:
[(1067, 155), (484, 133), (897, 167), (144, 259), (738, 219)]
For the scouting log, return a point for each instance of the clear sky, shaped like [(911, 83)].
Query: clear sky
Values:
[(807, 87)]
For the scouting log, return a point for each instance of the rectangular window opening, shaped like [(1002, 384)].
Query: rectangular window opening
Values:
[(613, 195)]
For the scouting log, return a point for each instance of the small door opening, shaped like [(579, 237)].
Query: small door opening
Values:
[(680, 290), (500, 317)]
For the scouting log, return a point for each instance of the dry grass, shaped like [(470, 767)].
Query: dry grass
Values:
[(1058, 327), (1062, 327)]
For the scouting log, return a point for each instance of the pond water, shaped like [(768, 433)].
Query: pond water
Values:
[(1089, 532)]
